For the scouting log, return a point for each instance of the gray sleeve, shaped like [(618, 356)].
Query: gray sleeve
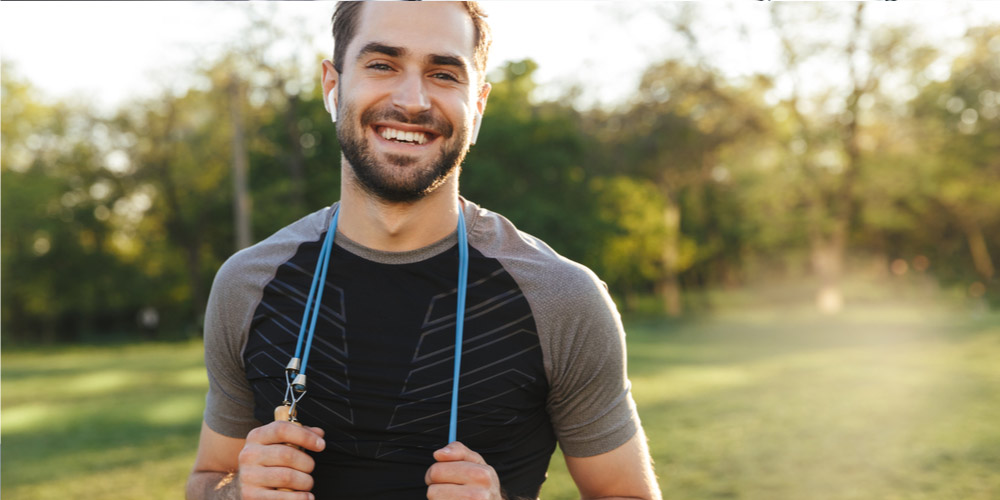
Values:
[(590, 401), (581, 334), (229, 403)]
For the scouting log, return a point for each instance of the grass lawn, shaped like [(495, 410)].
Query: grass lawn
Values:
[(882, 402)]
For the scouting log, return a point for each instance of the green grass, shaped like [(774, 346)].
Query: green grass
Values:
[(886, 401), (101, 422)]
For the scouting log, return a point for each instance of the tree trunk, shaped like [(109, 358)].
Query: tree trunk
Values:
[(241, 195), (980, 253), (828, 251), (827, 256), (669, 287)]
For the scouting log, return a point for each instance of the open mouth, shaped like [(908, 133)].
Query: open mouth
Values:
[(403, 136)]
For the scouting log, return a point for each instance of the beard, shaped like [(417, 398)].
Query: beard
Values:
[(399, 178)]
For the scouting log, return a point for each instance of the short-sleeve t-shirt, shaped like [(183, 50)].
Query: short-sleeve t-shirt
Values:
[(543, 355)]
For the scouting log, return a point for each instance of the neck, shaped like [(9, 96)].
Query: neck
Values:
[(396, 227)]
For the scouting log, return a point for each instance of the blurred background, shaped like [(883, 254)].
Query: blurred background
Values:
[(795, 206)]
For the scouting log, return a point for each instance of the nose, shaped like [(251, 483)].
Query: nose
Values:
[(411, 96)]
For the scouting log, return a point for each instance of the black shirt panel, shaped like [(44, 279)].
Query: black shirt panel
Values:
[(381, 364)]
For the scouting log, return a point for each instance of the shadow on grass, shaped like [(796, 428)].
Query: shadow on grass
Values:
[(67, 361), (92, 446), (657, 345)]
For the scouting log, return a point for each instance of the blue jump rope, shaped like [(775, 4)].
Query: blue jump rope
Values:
[(295, 372)]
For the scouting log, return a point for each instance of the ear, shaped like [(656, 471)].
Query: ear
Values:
[(329, 80), (484, 94)]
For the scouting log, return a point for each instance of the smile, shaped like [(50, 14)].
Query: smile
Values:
[(406, 137)]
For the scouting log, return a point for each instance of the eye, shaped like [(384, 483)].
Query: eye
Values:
[(379, 67), (444, 76)]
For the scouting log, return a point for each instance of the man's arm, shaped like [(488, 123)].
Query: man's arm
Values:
[(214, 473), (230, 469), (625, 472)]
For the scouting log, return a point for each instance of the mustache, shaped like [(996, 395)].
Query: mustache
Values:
[(425, 119)]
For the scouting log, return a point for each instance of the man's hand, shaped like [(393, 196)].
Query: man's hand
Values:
[(461, 473), (267, 462)]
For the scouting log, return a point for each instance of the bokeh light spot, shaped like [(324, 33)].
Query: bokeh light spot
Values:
[(899, 267)]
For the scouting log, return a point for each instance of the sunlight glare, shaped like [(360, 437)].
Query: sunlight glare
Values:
[(100, 382), (176, 410)]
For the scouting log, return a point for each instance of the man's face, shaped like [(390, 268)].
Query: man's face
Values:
[(407, 96)]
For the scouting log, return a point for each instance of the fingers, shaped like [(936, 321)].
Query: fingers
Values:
[(255, 493), (448, 491), (456, 451), (310, 438), (276, 455), (461, 473), (267, 463), (262, 482)]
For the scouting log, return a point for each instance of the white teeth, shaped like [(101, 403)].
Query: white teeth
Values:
[(399, 135)]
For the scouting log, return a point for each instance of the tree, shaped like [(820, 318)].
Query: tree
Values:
[(529, 164), (828, 154), (672, 134), (67, 262), (955, 137)]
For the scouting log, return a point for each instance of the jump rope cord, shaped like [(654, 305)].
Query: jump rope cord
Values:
[(321, 265), (463, 279), (319, 276), (295, 378), (328, 244)]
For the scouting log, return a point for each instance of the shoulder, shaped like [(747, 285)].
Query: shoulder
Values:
[(260, 260), (571, 306), (546, 277), (580, 333), (239, 283)]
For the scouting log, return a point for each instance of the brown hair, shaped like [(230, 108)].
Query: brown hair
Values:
[(345, 22)]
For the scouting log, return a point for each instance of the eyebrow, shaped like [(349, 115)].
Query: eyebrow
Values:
[(455, 61), (445, 60), (381, 48)]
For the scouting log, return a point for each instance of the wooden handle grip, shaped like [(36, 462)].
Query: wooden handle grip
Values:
[(282, 414)]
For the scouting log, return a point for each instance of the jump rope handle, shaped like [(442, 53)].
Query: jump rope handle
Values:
[(282, 413)]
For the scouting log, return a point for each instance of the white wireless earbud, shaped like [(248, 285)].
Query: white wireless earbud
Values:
[(476, 123), (331, 106)]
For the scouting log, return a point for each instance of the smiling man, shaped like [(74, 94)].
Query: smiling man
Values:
[(542, 357)]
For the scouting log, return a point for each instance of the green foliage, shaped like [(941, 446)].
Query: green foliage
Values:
[(936, 193), (631, 254), (66, 271), (529, 165)]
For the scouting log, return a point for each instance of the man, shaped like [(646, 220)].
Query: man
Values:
[(543, 350)]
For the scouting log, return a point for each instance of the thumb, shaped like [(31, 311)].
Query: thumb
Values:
[(455, 452)]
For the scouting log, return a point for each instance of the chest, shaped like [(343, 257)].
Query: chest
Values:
[(381, 365)]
